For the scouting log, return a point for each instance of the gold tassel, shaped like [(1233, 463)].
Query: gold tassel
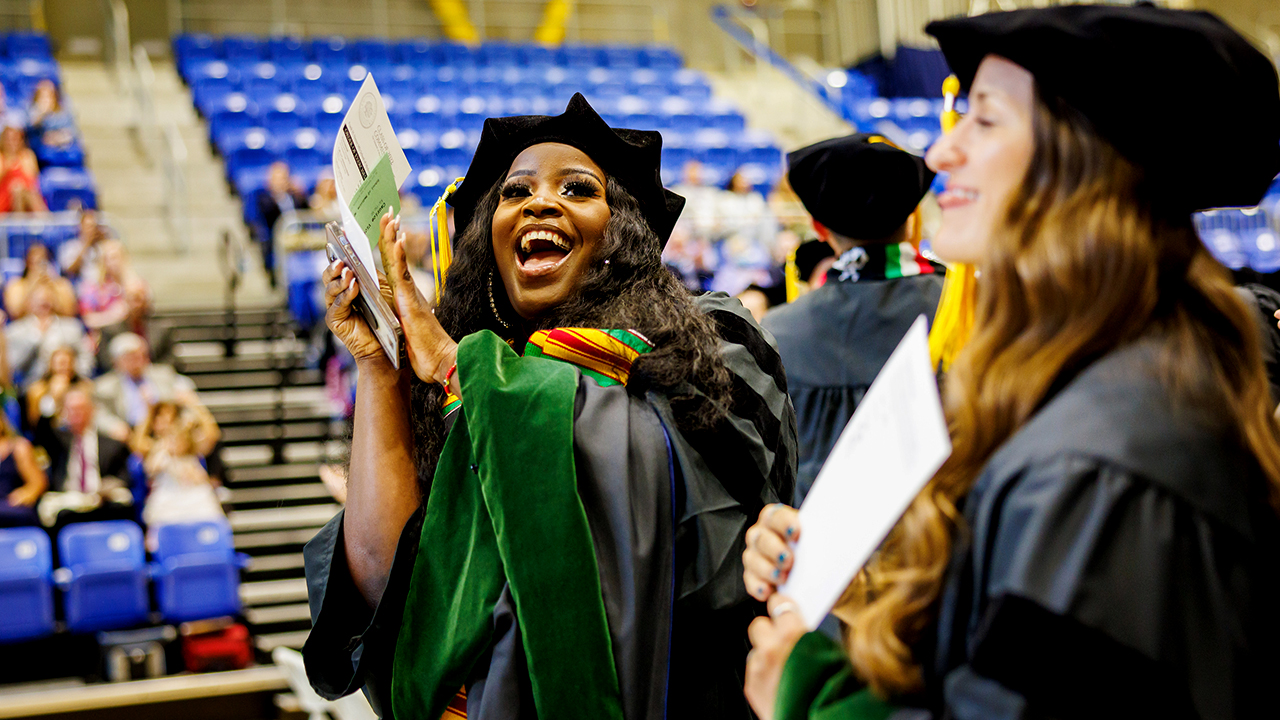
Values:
[(953, 321), (441, 247), (791, 273)]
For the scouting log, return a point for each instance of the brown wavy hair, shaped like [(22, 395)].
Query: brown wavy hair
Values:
[(1086, 261)]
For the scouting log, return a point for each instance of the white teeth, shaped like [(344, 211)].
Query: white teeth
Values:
[(964, 193), (554, 238)]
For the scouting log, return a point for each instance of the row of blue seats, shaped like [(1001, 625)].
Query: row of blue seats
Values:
[(1244, 238), (104, 577), (68, 188), (189, 49), (19, 45), (429, 115), (50, 230)]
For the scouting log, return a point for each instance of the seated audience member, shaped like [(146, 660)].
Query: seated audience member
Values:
[(37, 270), (22, 482), (19, 174), (125, 395), (33, 339), (1103, 540), (48, 122), (282, 194), (324, 201), (81, 258), (88, 471), (46, 395), (118, 301), (172, 440)]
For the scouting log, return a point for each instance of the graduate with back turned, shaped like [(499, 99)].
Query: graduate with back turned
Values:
[(862, 192)]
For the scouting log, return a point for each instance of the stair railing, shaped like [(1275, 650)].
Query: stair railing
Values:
[(751, 34)]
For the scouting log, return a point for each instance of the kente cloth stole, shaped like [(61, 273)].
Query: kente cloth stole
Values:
[(605, 355), (504, 510)]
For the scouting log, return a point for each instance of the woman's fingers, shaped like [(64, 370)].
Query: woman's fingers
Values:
[(389, 229), (766, 542), (783, 520)]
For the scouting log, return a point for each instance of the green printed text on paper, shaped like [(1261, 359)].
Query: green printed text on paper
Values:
[(373, 197)]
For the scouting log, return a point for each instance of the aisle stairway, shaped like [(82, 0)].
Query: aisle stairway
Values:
[(277, 428)]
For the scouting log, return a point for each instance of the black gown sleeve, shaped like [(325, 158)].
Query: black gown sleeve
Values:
[(350, 645), (1102, 595)]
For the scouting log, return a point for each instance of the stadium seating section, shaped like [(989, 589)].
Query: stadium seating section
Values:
[(25, 60), (284, 98), (104, 579)]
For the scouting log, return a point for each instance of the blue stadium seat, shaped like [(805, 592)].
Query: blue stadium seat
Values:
[(192, 49), (372, 51), (1263, 248), (305, 294), (622, 56), (498, 54), (234, 112), (330, 51), (329, 113), (451, 156), (661, 58), (65, 188), (412, 52), (242, 48), (103, 575), (286, 113), (535, 55), (1226, 247), (28, 45), (580, 56), (428, 184), (26, 584), (287, 50), (197, 571), (454, 54)]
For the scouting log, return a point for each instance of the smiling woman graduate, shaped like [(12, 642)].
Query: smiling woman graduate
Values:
[(559, 532), (1104, 540)]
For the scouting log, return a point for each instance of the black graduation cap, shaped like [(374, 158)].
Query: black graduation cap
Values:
[(632, 157), (1177, 92), (860, 186)]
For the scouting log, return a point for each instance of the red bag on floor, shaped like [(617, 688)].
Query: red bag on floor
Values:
[(225, 649)]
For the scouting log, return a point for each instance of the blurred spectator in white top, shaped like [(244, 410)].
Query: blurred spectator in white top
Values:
[(38, 270), (45, 396), (48, 122), (81, 259), (33, 339), (125, 395), (118, 302)]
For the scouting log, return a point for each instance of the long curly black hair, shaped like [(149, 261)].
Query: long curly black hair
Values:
[(632, 290)]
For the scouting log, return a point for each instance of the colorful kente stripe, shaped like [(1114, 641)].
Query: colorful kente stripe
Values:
[(605, 355), (450, 403), (903, 260), (457, 706)]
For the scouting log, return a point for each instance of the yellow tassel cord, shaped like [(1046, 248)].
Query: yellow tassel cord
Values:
[(441, 247), (791, 273), (454, 21), (953, 322), (555, 15)]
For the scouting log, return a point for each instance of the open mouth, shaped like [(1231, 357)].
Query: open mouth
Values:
[(542, 251), (954, 197)]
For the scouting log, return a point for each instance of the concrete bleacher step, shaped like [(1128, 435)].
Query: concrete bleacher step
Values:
[(287, 518), (275, 563), (294, 431), (270, 641), (240, 497), (274, 539), (273, 592), (279, 614), (125, 698), (268, 475), (294, 452), (256, 379)]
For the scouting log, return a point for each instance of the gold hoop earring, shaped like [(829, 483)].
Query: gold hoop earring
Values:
[(494, 306)]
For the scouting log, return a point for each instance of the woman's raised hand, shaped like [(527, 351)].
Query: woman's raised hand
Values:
[(431, 351), (341, 289), (772, 640), (768, 557)]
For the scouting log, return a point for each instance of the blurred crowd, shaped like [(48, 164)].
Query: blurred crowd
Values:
[(91, 428), (43, 123)]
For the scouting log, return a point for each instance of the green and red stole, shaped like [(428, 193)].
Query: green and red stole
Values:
[(504, 510)]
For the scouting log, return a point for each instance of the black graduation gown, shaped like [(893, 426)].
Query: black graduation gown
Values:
[(833, 342), (1120, 561), (667, 507)]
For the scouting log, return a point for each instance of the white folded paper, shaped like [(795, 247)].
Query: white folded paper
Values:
[(895, 442)]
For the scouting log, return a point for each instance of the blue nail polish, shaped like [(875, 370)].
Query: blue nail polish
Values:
[(776, 573), (791, 531), (782, 558), (760, 591)]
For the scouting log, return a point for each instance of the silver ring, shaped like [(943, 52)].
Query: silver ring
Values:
[(783, 608)]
